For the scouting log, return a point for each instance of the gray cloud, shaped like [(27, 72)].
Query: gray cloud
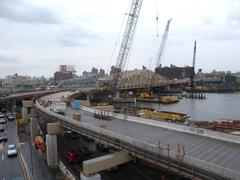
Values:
[(9, 59), (23, 11), (72, 36)]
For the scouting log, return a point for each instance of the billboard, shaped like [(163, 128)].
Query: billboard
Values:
[(67, 68)]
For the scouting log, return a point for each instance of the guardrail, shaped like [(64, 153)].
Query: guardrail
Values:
[(187, 166)]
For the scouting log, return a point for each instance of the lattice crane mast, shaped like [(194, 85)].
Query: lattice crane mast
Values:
[(161, 49), (193, 65), (126, 41), (163, 44)]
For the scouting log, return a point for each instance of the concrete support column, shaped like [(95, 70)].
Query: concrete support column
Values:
[(33, 113), (33, 127), (52, 155), (88, 97), (14, 105), (25, 114)]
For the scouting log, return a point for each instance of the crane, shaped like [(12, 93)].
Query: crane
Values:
[(163, 44), (126, 41), (161, 49), (193, 66)]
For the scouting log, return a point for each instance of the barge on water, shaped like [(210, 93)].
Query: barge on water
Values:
[(162, 115)]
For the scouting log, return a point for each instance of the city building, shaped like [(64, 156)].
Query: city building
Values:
[(174, 72)]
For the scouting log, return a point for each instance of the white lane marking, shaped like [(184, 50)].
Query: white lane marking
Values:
[(2, 156), (3, 178)]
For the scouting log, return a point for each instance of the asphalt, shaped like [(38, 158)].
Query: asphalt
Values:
[(35, 162), (10, 168)]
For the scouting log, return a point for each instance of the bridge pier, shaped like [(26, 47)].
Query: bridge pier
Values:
[(51, 142), (33, 127), (52, 155), (25, 114), (26, 105)]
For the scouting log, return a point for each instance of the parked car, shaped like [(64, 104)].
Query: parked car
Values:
[(11, 150), (3, 138), (72, 156)]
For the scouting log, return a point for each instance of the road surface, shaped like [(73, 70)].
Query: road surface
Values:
[(10, 168)]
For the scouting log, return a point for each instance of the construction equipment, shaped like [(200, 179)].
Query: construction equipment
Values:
[(193, 66), (163, 44), (161, 49), (126, 41)]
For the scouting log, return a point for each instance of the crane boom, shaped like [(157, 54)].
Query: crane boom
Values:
[(194, 53), (193, 65), (161, 51), (127, 40), (163, 44)]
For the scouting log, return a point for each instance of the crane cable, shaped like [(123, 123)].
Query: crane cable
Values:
[(116, 43), (157, 34)]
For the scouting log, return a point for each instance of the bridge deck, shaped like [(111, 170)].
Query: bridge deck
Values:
[(212, 151)]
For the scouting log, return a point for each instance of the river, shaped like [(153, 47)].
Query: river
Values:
[(215, 107)]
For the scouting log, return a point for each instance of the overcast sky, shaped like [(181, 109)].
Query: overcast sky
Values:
[(37, 36)]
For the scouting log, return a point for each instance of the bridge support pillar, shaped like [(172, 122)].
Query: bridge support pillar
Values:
[(33, 113), (25, 114), (33, 127), (52, 155), (26, 104), (93, 177)]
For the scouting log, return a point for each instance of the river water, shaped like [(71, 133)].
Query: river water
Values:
[(215, 107)]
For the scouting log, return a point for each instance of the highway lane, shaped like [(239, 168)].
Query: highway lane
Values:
[(10, 168)]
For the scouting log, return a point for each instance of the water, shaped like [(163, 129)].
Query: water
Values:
[(215, 107)]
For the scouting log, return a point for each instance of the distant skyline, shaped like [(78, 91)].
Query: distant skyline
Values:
[(38, 36)]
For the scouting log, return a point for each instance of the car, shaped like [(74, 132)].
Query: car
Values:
[(3, 138), (11, 150), (10, 116), (2, 127), (2, 120), (72, 156), (1, 115)]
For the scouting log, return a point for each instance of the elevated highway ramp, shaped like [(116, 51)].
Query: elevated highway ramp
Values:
[(209, 157)]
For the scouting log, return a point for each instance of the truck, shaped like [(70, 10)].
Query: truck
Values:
[(58, 107)]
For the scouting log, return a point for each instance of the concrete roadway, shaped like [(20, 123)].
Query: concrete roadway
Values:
[(10, 168), (208, 150)]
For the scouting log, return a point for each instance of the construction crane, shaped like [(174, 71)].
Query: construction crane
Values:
[(163, 44), (126, 41), (193, 66), (161, 49)]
